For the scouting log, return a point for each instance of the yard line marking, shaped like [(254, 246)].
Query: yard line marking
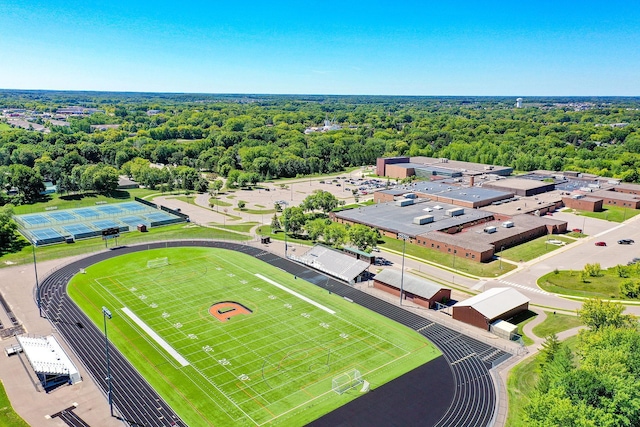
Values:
[(165, 345), (295, 294)]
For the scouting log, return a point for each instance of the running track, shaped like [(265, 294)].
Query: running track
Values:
[(473, 398)]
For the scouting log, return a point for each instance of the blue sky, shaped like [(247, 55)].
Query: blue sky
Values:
[(425, 47)]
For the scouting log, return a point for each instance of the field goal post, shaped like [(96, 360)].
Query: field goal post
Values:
[(346, 381), (158, 262)]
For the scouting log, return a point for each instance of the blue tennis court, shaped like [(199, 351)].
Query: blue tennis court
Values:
[(62, 216), (109, 209), (133, 206), (87, 212), (105, 223), (34, 220), (134, 221), (81, 223), (47, 235)]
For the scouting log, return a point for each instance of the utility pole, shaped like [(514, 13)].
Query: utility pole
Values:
[(106, 313), (404, 237)]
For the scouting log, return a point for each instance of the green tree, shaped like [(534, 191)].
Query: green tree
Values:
[(8, 227), (630, 289), (335, 234), (275, 223), (315, 228), (362, 237), (293, 219), (241, 204), (596, 314), (28, 182)]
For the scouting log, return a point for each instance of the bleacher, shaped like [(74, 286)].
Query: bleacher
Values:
[(333, 262)]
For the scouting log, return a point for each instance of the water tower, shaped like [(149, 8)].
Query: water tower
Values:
[(519, 103)]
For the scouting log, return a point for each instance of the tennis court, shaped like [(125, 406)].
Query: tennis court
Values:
[(81, 223)]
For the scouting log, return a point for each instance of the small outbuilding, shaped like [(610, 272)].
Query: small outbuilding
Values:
[(420, 291), (495, 304)]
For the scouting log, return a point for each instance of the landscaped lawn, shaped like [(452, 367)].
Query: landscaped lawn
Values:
[(607, 285), (555, 323), (4, 127), (488, 269), (533, 249), (611, 213)]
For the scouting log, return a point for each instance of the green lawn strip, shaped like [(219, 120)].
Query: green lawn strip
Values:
[(245, 227), (534, 248), (555, 323), (8, 417), (86, 246), (380, 348), (489, 269), (217, 202), (611, 213), (255, 211), (191, 199), (69, 201), (265, 230), (607, 285), (355, 205), (521, 384)]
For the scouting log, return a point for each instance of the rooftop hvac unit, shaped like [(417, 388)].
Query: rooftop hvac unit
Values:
[(490, 230), (455, 212), (508, 224), (424, 219), (577, 196), (586, 189), (427, 210), (404, 202), (437, 207)]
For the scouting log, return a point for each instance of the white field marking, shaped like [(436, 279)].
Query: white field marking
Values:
[(331, 391), (295, 294), (165, 345)]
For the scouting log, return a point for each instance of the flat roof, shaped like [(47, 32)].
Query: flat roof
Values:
[(454, 192), (410, 283), (460, 166), (494, 302), (615, 195), (518, 183), (475, 237), (388, 216), (526, 204)]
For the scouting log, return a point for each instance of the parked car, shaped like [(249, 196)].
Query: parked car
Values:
[(577, 230), (625, 242), (601, 243)]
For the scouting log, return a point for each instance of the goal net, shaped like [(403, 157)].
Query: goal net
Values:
[(346, 381), (158, 262)]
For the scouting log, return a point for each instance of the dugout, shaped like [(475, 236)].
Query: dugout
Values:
[(265, 240)]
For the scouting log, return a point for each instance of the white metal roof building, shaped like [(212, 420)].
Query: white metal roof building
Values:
[(496, 303), (333, 262), (49, 361)]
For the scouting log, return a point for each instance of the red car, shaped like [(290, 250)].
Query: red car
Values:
[(577, 230), (601, 243)]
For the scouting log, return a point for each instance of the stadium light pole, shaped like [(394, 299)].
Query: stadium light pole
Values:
[(35, 269), (404, 237), (106, 313)]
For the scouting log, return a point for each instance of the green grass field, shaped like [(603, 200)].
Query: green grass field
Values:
[(533, 249), (273, 366), (8, 417)]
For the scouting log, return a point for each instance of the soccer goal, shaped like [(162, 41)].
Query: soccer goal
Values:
[(158, 262), (346, 381)]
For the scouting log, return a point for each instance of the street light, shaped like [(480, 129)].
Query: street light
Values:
[(404, 237), (106, 313), (35, 268)]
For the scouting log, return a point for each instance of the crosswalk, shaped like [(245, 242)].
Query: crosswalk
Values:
[(526, 288)]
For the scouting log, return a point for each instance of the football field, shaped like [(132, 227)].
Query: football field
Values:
[(229, 340)]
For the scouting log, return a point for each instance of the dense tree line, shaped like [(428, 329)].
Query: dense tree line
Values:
[(264, 137), (597, 385)]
